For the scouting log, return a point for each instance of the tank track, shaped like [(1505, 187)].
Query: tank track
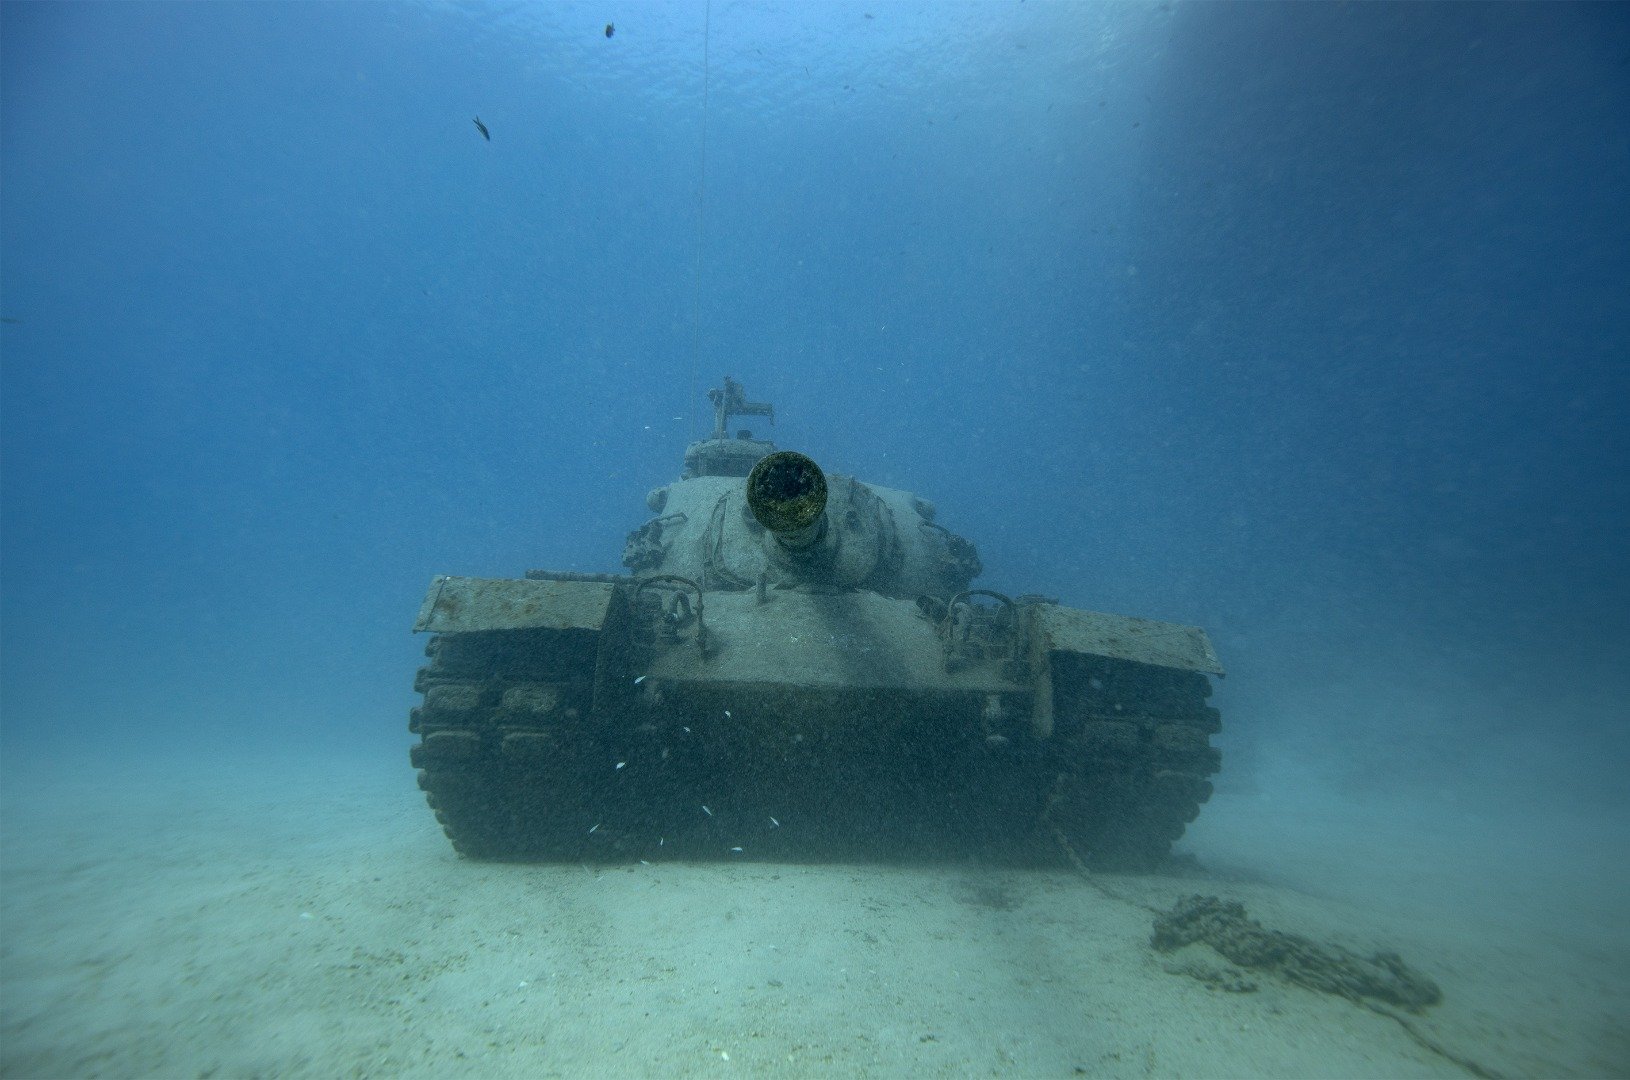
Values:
[(514, 766), (1134, 757), (505, 740)]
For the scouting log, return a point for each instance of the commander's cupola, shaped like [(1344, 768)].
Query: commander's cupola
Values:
[(721, 455)]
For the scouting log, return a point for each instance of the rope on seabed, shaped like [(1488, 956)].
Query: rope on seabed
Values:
[(1428, 1043), (1425, 1041), (701, 228), (1069, 849)]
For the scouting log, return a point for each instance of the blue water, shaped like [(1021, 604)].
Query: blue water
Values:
[(1308, 324)]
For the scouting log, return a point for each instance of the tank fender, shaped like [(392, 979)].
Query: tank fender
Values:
[(1144, 641), (462, 604), (1054, 628)]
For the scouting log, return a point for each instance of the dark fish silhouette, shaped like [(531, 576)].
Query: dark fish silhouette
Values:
[(611, 28), (479, 126)]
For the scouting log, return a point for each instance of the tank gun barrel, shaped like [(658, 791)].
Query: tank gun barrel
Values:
[(786, 493)]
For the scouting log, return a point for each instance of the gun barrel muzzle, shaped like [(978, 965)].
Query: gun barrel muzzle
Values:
[(786, 492)]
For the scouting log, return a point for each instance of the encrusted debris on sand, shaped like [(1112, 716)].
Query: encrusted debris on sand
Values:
[(1224, 926)]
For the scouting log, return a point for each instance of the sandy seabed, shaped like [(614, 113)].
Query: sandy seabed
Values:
[(221, 918)]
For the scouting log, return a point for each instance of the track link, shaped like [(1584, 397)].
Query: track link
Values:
[(1134, 758), (505, 741)]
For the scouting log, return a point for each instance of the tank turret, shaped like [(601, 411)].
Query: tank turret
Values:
[(789, 525)]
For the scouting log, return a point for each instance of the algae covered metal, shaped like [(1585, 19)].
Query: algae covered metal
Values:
[(796, 665)]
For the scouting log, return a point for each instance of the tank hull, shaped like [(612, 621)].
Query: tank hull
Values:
[(638, 719)]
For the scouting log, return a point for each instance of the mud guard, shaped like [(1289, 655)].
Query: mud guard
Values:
[(461, 604), (1095, 633)]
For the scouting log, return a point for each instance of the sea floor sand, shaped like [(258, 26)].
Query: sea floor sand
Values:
[(310, 920)]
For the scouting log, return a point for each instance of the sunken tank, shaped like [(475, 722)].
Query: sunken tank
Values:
[(796, 666)]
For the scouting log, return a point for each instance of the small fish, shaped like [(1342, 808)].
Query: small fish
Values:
[(596, 827), (479, 126), (611, 28), (706, 811), (639, 680), (727, 714), (774, 823), (620, 764), (735, 849)]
